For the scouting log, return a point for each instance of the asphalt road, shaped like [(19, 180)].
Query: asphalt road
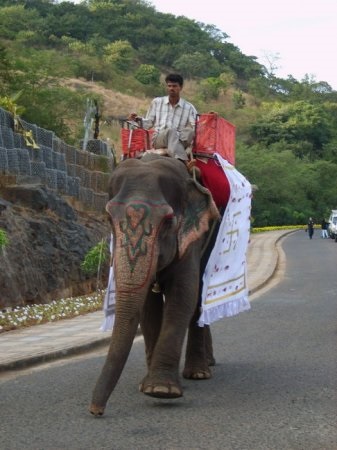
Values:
[(274, 385)]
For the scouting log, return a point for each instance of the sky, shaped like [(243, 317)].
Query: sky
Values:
[(299, 37)]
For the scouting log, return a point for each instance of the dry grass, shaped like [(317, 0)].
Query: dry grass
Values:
[(112, 104), (115, 103)]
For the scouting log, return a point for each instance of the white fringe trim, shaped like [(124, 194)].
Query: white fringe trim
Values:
[(108, 323), (228, 309)]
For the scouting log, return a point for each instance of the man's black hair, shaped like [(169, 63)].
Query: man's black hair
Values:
[(174, 78)]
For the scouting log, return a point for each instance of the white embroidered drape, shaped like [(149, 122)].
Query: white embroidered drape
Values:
[(225, 291)]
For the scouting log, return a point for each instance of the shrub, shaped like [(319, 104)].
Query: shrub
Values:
[(95, 258), (148, 74), (3, 239)]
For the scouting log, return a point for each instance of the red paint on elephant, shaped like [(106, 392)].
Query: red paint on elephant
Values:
[(137, 225)]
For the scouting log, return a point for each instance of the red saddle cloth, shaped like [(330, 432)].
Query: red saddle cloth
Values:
[(214, 179)]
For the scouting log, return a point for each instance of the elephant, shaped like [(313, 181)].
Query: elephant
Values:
[(159, 217)]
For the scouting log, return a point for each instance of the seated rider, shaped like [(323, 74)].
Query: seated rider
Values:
[(173, 120)]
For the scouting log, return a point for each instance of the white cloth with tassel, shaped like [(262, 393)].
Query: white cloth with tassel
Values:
[(109, 299), (225, 291)]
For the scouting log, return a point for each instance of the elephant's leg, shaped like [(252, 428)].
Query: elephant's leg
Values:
[(199, 350), (197, 358), (209, 346), (151, 322), (163, 378)]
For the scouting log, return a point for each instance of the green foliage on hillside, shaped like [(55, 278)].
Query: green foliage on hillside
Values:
[(3, 239), (95, 258), (286, 129)]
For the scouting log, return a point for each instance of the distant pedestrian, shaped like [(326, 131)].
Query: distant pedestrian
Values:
[(324, 227), (310, 227)]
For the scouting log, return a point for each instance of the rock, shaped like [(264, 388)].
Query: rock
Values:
[(48, 240)]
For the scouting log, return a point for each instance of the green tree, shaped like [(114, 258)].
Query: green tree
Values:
[(304, 125), (64, 19), (259, 87), (76, 46), (238, 99), (197, 64), (5, 71), (148, 74), (282, 181), (319, 188), (15, 19), (119, 53), (212, 87)]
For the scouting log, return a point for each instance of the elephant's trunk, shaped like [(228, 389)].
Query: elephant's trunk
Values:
[(135, 256), (124, 331)]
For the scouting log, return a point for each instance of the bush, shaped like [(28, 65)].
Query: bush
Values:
[(148, 74), (3, 239), (95, 258)]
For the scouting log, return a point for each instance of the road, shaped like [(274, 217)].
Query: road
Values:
[(274, 385)]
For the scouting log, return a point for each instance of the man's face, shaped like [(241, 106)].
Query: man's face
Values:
[(173, 89)]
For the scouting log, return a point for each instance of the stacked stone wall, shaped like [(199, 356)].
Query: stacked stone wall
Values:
[(63, 168)]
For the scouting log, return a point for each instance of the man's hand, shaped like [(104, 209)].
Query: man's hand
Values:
[(193, 169), (134, 117)]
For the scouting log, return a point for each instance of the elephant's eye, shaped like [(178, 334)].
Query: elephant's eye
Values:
[(170, 221)]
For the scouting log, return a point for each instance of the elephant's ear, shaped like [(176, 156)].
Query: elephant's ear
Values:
[(200, 210)]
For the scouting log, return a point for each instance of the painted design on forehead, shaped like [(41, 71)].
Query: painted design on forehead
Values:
[(136, 227)]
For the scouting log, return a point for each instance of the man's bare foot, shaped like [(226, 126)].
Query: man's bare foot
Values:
[(190, 164)]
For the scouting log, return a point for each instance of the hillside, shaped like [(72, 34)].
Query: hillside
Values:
[(55, 56), (112, 104)]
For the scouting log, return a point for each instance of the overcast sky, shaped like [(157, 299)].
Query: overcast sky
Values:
[(302, 34)]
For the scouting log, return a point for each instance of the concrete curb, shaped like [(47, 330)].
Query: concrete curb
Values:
[(29, 361), (278, 248)]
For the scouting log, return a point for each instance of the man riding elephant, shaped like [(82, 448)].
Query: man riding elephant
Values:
[(173, 120)]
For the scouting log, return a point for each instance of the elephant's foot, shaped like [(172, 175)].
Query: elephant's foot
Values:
[(211, 361), (97, 411), (197, 373), (161, 388)]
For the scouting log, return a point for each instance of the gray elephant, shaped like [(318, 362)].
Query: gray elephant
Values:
[(159, 218)]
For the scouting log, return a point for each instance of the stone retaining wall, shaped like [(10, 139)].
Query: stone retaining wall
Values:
[(67, 170)]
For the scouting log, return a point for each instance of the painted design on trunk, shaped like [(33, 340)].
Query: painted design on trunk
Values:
[(135, 228)]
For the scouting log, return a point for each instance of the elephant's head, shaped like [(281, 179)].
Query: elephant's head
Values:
[(157, 210)]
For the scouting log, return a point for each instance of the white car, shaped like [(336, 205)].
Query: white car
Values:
[(332, 229)]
